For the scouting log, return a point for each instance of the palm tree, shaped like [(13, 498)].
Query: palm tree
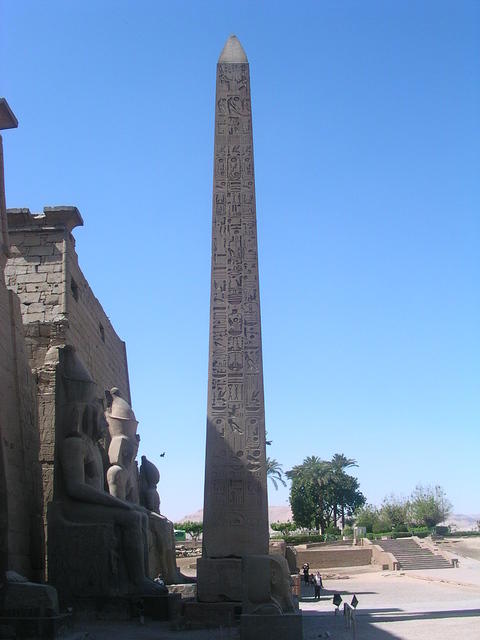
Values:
[(338, 464), (275, 472)]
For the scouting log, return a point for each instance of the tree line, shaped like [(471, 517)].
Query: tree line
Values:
[(324, 497)]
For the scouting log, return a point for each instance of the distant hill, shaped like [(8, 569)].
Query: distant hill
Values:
[(275, 514), (463, 522), (460, 521)]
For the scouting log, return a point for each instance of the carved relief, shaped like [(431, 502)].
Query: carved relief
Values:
[(236, 470)]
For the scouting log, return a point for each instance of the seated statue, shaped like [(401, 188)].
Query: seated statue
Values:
[(149, 477), (161, 535), (123, 483), (86, 502), (122, 425)]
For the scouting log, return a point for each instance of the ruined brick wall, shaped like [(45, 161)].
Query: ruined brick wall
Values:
[(58, 306)]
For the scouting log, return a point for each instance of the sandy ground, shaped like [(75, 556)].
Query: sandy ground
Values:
[(465, 547)]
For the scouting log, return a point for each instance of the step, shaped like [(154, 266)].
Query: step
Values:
[(410, 555)]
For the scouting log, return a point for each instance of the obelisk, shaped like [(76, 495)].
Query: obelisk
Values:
[(235, 520)]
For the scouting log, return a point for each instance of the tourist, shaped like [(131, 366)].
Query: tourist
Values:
[(318, 585), (306, 569)]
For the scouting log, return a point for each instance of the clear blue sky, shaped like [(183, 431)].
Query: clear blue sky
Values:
[(366, 133)]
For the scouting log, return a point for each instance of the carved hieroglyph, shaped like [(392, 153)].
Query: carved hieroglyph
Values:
[(235, 503)]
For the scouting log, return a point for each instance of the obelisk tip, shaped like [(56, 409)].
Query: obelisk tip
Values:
[(233, 52)]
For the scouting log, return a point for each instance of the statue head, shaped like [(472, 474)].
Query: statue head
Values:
[(120, 417), (77, 381)]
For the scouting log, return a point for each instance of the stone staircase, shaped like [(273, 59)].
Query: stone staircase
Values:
[(411, 555)]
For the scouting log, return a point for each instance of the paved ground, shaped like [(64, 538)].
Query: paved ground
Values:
[(399, 605), (420, 605)]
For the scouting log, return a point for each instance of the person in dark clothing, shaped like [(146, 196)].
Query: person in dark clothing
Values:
[(306, 570)]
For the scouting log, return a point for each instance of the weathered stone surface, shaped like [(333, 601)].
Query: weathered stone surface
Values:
[(23, 595), (20, 478), (161, 549), (97, 542), (149, 478), (235, 502), (267, 585), (219, 580), (235, 566)]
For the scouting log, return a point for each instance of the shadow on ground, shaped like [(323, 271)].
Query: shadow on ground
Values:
[(324, 623), (318, 624)]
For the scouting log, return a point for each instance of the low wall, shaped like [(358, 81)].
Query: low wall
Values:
[(326, 558), (384, 559)]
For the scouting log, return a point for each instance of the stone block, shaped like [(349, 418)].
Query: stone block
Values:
[(29, 240), (55, 277), (46, 268), (34, 317), (36, 286), (219, 579), (36, 307), (42, 250), (32, 277), (288, 626)]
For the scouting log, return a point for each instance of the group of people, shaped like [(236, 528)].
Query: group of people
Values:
[(314, 578)]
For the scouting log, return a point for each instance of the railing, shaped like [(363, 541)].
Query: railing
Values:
[(350, 619)]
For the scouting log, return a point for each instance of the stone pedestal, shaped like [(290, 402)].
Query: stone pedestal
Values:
[(30, 610), (219, 580), (84, 559)]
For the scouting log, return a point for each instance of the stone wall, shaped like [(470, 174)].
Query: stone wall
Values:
[(20, 490), (91, 332), (58, 308), (324, 558)]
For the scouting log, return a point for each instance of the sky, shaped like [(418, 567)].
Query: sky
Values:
[(366, 137)]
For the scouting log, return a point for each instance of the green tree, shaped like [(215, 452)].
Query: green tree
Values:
[(347, 495), (367, 516), (319, 488), (395, 510), (429, 505), (284, 527), (275, 472), (194, 529)]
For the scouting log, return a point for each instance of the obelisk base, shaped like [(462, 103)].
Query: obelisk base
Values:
[(288, 626), (219, 580)]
